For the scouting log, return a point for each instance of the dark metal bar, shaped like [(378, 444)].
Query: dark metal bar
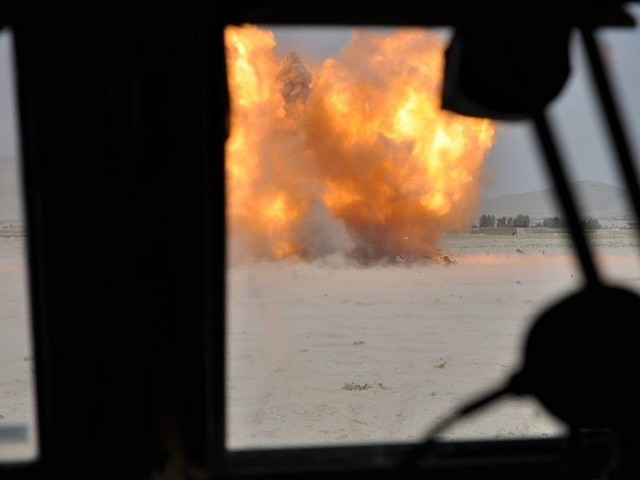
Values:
[(496, 459), (434, 13), (610, 110), (565, 197), (216, 121)]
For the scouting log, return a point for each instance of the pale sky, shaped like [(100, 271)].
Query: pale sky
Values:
[(514, 162), (10, 192)]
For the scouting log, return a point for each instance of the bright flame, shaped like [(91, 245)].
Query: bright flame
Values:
[(355, 156)]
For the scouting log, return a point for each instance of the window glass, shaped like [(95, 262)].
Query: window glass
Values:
[(386, 259), (17, 393)]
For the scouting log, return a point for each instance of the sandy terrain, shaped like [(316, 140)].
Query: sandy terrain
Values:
[(326, 353), (329, 354), (17, 402)]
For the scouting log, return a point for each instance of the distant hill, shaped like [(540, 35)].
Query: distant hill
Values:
[(601, 201)]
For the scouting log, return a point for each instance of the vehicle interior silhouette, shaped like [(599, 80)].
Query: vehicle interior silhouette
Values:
[(123, 117)]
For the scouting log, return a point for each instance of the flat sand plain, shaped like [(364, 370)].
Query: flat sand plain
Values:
[(327, 353)]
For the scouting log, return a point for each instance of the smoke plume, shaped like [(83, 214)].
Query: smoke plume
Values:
[(353, 156)]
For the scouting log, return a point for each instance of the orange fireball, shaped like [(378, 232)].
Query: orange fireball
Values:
[(354, 157)]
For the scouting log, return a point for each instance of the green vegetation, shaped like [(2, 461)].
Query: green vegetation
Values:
[(589, 223), (524, 221), (490, 221), (553, 222), (487, 221)]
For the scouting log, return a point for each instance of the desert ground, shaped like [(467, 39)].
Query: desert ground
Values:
[(17, 399), (327, 352)]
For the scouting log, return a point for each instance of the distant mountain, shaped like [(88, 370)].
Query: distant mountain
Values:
[(601, 201)]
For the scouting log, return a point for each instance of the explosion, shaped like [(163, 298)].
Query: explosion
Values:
[(352, 156)]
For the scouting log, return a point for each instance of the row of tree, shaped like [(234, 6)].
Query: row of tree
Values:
[(524, 221)]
